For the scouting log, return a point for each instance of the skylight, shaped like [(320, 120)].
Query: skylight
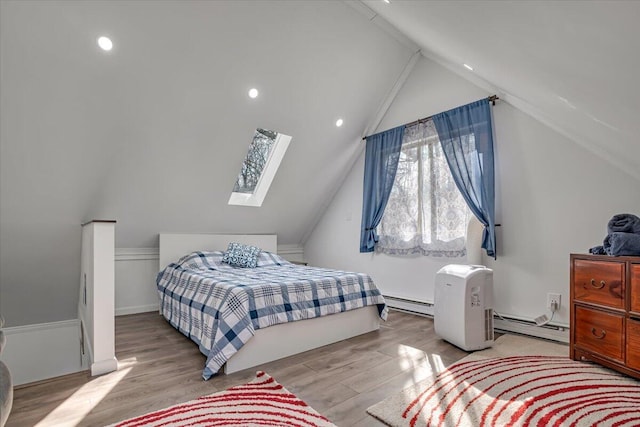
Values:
[(259, 167)]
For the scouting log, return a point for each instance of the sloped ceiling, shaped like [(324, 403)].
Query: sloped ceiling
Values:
[(153, 133), (571, 64)]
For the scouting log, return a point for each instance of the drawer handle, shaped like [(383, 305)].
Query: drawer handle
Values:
[(602, 284), (601, 336)]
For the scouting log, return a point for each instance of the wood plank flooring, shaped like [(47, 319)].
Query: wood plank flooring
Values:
[(159, 367)]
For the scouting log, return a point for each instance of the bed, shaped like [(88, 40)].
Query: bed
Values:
[(243, 317)]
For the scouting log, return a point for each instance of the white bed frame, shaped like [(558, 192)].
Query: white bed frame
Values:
[(278, 341)]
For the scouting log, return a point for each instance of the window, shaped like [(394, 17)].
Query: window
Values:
[(425, 214), (259, 167)]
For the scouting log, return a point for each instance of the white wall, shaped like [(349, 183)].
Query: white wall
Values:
[(136, 271), (553, 198), (38, 352), (153, 133)]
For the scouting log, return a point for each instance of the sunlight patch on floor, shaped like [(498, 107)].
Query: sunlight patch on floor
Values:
[(124, 363), (436, 363), (410, 355), (428, 368), (419, 363), (72, 411)]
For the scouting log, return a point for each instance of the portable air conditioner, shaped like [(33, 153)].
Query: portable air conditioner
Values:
[(463, 306)]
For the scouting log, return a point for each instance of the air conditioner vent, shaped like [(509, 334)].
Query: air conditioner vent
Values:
[(488, 324)]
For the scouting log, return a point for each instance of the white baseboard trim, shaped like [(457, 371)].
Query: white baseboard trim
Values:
[(137, 254), (290, 248), (554, 333), (42, 351), (419, 307), (511, 324), (38, 327), (104, 366), (137, 309), (291, 252)]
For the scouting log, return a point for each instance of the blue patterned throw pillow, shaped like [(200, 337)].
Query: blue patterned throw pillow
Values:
[(239, 255)]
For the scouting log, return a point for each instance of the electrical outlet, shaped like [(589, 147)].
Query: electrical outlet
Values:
[(553, 300)]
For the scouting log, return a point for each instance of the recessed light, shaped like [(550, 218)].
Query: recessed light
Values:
[(339, 122), (468, 67), (387, 1), (253, 93), (105, 43)]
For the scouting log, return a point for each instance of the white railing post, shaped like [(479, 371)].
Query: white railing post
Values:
[(96, 304)]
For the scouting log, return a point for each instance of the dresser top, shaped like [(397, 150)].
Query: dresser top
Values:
[(606, 257)]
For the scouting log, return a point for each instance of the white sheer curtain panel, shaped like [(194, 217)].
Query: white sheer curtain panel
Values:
[(426, 213)]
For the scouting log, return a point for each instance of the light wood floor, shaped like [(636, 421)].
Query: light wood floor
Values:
[(159, 367)]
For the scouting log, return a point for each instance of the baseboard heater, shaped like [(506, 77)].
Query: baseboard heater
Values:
[(505, 323)]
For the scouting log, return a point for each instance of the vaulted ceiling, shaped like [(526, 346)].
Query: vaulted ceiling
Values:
[(164, 118), (571, 64), (153, 133)]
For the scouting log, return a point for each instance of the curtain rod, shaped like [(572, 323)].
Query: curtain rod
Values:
[(492, 99)]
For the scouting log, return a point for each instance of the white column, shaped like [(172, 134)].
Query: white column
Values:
[(97, 295)]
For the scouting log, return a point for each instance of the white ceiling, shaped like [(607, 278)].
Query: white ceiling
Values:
[(571, 64), (153, 133), (164, 118)]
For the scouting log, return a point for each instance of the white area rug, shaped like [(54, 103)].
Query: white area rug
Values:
[(519, 382), (262, 402)]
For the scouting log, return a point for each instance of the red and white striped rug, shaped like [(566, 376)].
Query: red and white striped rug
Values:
[(261, 402), (517, 391)]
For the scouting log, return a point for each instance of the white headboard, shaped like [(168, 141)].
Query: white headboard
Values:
[(175, 245)]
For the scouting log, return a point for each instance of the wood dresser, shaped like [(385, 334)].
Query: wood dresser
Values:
[(605, 311)]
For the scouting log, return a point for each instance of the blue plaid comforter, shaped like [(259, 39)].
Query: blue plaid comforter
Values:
[(219, 307)]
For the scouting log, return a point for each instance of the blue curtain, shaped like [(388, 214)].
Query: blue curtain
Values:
[(466, 135), (380, 166)]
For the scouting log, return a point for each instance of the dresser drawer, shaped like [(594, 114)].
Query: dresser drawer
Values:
[(635, 288), (599, 282), (599, 332), (633, 344)]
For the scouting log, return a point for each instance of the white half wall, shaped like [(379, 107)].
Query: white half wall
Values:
[(96, 302), (553, 198), (47, 350), (136, 271)]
